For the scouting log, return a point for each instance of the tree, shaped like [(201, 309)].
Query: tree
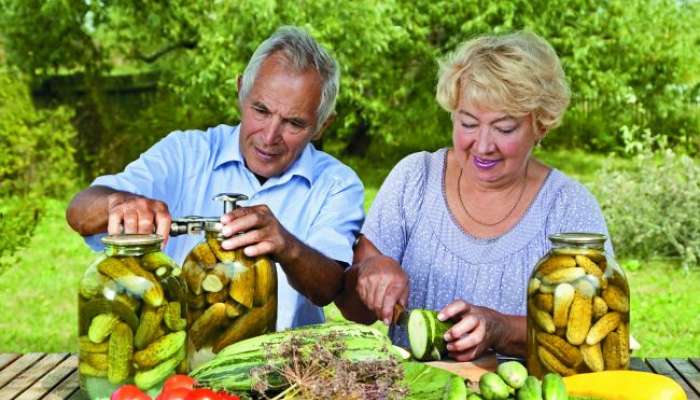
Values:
[(629, 62)]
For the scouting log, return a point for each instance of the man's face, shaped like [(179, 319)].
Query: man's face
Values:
[(278, 118)]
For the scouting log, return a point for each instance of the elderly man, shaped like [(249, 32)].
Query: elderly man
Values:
[(305, 207)]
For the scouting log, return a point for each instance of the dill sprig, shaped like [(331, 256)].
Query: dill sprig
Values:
[(319, 372)]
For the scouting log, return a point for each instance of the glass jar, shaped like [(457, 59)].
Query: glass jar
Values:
[(577, 309), (230, 296), (131, 325)]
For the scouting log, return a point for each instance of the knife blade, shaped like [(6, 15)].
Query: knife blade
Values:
[(400, 316)]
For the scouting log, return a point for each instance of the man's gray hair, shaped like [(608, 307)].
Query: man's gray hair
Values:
[(302, 52)]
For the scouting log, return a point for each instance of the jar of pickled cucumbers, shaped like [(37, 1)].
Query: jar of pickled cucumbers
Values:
[(131, 325), (577, 309), (230, 296)]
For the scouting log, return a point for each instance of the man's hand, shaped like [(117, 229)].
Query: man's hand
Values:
[(476, 330), (381, 283), (258, 232), (130, 213)]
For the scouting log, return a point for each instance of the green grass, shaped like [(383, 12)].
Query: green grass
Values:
[(39, 294), (664, 309)]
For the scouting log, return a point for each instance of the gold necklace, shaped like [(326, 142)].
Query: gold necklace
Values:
[(459, 194)]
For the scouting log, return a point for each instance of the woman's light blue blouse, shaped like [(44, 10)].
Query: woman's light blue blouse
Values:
[(410, 222)]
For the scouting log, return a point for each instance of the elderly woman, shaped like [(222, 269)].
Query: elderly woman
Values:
[(460, 229)]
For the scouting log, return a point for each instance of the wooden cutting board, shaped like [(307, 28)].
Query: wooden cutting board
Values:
[(469, 370)]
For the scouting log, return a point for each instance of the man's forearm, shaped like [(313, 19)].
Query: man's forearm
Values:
[(311, 273), (88, 212)]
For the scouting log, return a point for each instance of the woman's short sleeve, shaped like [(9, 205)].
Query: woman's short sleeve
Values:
[(577, 210), (394, 210)]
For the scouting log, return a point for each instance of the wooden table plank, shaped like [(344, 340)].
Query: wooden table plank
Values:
[(17, 367), (689, 372), (696, 362), (66, 389), (23, 381), (7, 358), (638, 364), (51, 379), (663, 367)]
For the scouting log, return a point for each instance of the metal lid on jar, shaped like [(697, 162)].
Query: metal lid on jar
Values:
[(578, 238), (132, 239)]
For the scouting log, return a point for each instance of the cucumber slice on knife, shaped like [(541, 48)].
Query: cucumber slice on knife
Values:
[(419, 335), (425, 335)]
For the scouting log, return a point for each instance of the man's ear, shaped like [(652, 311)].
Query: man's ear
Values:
[(325, 126)]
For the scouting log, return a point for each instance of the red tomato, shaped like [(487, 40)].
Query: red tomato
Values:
[(223, 395), (129, 392), (202, 394), (178, 393), (178, 381)]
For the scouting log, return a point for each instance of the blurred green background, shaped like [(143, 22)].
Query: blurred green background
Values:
[(86, 86)]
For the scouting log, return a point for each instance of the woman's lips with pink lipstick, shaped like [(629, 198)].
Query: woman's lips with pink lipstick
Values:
[(484, 164)]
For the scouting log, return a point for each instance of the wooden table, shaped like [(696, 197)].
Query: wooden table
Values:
[(55, 375)]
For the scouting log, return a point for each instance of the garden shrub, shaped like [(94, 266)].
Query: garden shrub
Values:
[(36, 161), (652, 208)]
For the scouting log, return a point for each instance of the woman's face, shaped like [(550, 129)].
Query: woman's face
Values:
[(490, 145)]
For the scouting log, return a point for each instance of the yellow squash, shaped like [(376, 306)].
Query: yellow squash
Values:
[(624, 385)]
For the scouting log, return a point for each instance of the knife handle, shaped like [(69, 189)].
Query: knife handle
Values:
[(398, 310)]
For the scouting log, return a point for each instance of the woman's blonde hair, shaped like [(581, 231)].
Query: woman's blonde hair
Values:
[(518, 73)]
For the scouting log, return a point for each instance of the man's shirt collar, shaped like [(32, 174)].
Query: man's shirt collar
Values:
[(230, 151)]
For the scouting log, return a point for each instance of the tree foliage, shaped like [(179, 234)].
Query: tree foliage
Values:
[(630, 63)]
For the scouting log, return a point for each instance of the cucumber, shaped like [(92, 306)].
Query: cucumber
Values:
[(425, 335), (531, 390), (513, 373), (553, 387), (419, 335)]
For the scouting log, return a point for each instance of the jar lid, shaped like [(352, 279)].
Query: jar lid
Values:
[(132, 239), (582, 238)]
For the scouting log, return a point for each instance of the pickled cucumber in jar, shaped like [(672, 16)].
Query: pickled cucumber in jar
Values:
[(132, 324), (229, 296), (577, 309)]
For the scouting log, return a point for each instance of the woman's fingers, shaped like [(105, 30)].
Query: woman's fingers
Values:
[(453, 310), (463, 327), (473, 337), (381, 284)]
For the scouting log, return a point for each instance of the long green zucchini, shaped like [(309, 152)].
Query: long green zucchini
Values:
[(231, 368)]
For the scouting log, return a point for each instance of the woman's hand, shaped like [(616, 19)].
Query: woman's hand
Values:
[(476, 330), (381, 283)]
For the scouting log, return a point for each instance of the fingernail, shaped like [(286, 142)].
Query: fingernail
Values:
[(440, 317), (386, 321), (446, 336)]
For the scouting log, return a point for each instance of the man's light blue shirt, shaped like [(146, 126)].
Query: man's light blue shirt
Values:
[(318, 199)]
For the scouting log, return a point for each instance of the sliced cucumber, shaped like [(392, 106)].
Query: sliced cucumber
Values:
[(419, 335), (425, 335)]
